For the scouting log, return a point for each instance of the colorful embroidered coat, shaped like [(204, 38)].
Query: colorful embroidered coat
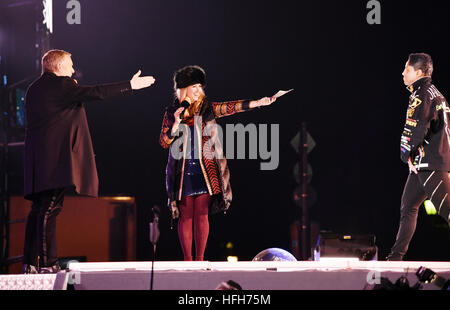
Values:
[(215, 169)]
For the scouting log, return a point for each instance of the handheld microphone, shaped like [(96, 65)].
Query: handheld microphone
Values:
[(185, 104)]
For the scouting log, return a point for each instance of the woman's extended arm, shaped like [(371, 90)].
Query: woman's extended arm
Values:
[(231, 107)]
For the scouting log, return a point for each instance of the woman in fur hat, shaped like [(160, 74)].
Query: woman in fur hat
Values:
[(197, 176)]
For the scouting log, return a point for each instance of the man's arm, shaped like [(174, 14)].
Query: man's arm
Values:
[(76, 93), (416, 126)]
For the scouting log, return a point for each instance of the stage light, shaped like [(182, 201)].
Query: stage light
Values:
[(48, 14), (119, 198), (426, 275), (232, 259), (429, 207)]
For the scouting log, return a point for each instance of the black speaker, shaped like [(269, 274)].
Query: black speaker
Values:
[(361, 246)]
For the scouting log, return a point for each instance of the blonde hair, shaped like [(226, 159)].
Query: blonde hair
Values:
[(52, 58), (181, 94)]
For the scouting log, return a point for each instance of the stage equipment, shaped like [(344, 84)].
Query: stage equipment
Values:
[(346, 246), (99, 229), (274, 254), (426, 275)]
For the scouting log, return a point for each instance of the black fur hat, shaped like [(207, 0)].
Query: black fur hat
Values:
[(189, 75)]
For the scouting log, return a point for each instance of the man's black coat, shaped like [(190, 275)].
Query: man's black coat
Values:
[(58, 146)]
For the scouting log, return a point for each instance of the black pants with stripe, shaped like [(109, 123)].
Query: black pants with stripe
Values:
[(432, 185), (40, 233)]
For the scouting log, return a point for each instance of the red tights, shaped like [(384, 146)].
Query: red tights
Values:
[(194, 209)]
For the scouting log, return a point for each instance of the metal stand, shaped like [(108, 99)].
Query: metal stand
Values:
[(154, 236), (305, 221)]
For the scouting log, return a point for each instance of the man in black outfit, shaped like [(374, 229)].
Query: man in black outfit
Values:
[(425, 147), (58, 150)]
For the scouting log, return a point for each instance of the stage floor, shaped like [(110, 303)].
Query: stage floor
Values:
[(207, 275)]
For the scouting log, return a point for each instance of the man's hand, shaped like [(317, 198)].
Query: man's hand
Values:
[(138, 82), (411, 166)]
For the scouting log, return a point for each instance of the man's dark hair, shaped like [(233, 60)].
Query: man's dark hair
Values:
[(421, 61), (235, 285)]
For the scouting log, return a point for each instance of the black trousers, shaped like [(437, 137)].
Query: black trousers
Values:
[(40, 234), (432, 185)]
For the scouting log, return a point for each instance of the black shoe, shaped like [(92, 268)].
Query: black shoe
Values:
[(29, 269), (53, 269), (394, 257)]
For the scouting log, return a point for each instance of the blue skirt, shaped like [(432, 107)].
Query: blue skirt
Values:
[(193, 179)]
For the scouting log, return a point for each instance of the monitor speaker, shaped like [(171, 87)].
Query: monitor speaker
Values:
[(360, 246)]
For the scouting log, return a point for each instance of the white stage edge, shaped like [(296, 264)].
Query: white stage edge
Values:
[(323, 265), (207, 275)]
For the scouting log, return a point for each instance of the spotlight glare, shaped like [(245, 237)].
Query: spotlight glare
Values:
[(48, 14)]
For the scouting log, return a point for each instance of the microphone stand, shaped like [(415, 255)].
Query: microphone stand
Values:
[(153, 265), (154, 236)]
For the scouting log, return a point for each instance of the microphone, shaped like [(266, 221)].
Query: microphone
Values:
[(154, 229), (185, 104)]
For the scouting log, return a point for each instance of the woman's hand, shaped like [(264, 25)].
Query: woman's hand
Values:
[(177, 115), (177, 120), (262, 102)]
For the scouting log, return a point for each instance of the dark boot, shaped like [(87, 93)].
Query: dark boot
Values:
[(29, 269), (53, 269)]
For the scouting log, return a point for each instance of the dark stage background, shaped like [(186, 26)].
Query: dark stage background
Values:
[(348, 88)]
